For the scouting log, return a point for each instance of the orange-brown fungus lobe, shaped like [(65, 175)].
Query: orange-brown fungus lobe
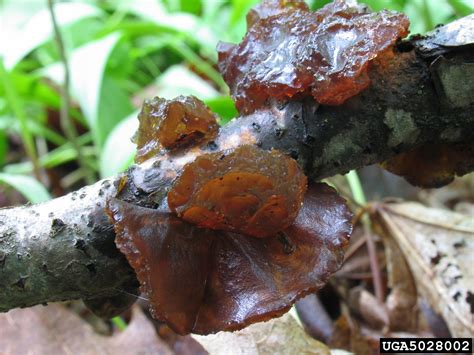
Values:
[(433, 165), (205, 281), (247, 190), (289, 50), (172, 124)]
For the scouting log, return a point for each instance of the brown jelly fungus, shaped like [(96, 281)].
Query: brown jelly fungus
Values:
[(290, 51), (433, 165), (182, 122), (204, 281), (246, 190)]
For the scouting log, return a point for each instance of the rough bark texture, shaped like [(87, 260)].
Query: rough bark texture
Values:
[(64, 249)]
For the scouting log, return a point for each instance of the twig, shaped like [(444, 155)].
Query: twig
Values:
[(66, 123), (359, 196), (354, 248), (374, 266)]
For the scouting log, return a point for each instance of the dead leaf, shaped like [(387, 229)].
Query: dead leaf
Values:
[(277, 336), (457, 196), (401, 303), (56, 330), (372, 311), (347, 335), (438, 246)]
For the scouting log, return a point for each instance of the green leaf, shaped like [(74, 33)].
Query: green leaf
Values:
[(27, 186), (200, 65), (440, 12), (240, 9), (211, 9), (113, 107), (425, 14), (223, 106), (237, 21), (179, 80), (377, 5), (179, 22), (317, 4), (14, 101), (3, 147), (87, 66), (462, 7), (191, 6), (38, 29), (56, 157), (119, 151)]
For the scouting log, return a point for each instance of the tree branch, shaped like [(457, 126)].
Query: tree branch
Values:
[(64, 249)]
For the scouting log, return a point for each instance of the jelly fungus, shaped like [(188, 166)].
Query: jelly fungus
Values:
[(204, 281), (290, 51), (171, 124), (433, 165), (245, 190)]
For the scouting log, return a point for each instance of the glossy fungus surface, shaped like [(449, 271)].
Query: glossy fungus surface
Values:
[(433, 165), (205, 281), (289, 51), (267, 8), (246, 190), (171, 124)]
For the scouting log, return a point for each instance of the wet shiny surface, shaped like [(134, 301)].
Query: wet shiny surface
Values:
[(179, 123), (205, 281), (289, 51), (246, 190)]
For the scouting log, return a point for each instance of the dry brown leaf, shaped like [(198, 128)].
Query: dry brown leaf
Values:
[(457, 196), (401, 303), (56, 330), (347, 335), (372, 311), (438, 246), (277, 336)]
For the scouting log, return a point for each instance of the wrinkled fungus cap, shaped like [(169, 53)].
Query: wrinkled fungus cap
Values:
[(246, 190), (290, 51), (204, 281), (172, 124)]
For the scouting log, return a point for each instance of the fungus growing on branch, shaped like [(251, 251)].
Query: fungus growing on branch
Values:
[(246, 190), (172, 124), (433, 165), (204, 281), (289, 51), (267, 8)]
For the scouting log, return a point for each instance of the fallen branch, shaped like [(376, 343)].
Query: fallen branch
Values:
[(64, 249)]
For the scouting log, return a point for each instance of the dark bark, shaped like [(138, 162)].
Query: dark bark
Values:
[(64, 249)]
